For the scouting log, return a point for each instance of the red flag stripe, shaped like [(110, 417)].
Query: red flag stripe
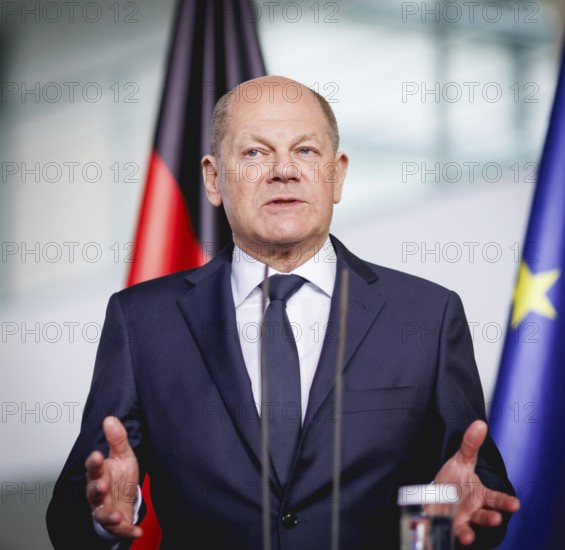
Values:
[(151, 538), (164, 241)]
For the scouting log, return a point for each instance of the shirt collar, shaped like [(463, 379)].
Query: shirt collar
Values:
[(247, 272)]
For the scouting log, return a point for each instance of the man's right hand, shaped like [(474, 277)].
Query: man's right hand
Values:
[(111, 483)]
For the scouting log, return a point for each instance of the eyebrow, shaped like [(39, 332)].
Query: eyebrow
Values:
[(306, 137), (262, 139)]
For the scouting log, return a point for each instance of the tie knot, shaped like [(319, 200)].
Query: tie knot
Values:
[(282, 287)]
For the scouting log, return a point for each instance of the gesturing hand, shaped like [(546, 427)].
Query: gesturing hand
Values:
[(478, 504), (111, 483)]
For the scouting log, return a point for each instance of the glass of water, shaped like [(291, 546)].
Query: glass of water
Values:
[(426, 519)]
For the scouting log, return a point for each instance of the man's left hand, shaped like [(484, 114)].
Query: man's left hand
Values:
[(478, 505)]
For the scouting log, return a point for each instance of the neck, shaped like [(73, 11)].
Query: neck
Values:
[(284, 257)]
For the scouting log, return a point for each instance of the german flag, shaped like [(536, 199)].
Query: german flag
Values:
[(214, 47)]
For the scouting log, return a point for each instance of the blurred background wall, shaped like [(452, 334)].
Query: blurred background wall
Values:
[(442, 106)]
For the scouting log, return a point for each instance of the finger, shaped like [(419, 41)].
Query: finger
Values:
[(473, 438), (465, 535), (114, 523), (94, 465), (97, 485), (94, 494), (486, 518), (128, 531), (117, 437), (107, 515), (502, 502)]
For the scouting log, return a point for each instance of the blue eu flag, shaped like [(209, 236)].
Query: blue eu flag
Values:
[(528, 414)]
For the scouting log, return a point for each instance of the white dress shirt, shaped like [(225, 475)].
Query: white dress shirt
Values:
[(308, 311)]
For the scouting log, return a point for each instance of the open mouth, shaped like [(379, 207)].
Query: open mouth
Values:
[(284, 201)]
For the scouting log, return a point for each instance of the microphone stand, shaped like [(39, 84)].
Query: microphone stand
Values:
[(265, 458), (343, 306)]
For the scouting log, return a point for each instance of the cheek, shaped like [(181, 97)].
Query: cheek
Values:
[(241, 205), (331, 196)]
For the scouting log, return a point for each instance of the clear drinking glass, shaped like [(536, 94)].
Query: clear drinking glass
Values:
[(426, 519)]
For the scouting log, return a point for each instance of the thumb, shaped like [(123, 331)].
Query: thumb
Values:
[(117, 437), (473, 438)]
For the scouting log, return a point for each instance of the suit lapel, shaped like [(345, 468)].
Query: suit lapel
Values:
[(364, 304), (209, 312)]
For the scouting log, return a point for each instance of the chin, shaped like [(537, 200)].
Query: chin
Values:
[(282, 237), (287, 233)]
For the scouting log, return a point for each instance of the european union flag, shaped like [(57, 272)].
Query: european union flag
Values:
[(528, 414)]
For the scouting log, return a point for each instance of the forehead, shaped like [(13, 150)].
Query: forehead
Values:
[(254, 106)]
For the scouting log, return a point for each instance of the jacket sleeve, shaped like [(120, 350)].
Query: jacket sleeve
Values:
[(460, 401), (112, 392)]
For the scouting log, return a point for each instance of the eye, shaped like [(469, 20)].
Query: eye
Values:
[(305, 151), (252, 153)]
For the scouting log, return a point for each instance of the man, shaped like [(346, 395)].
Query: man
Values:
[(178, 381)]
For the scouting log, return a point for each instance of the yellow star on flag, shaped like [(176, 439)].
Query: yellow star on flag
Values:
[(530, 294)]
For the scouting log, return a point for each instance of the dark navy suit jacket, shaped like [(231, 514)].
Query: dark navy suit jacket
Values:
[(170, 366)]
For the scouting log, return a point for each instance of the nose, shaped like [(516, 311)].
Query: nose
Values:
[(283, 170)]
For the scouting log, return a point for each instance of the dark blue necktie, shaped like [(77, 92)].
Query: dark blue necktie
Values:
[(283, 374)]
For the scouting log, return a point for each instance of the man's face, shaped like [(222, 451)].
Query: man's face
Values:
[(276, 175)]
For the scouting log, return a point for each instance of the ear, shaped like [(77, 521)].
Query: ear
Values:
[(211, 179), (341, 162)]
